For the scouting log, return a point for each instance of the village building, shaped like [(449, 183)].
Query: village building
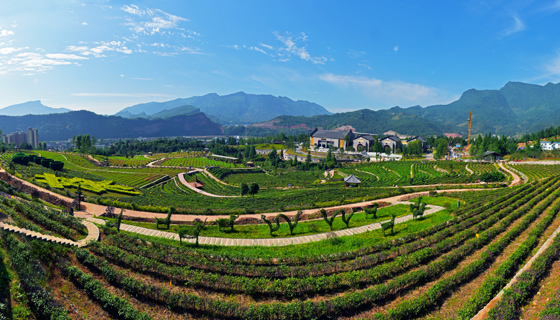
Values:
[(391, 142), (417, 138), (492, 156), (329, 138)]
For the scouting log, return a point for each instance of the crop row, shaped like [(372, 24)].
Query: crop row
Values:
[(291, 287), (52, 220), (196, 162), (94, 288), (538, 171), (33, 277), (507, 269), (330, 307), (421, 304), (373, 253)]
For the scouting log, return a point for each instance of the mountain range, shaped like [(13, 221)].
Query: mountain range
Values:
[(63, 126), (236, 108), (515, 109)]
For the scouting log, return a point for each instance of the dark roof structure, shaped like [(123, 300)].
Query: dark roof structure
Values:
[(491, 153), (417, 138), (391, 138), (366, 136), (352, 179), (330, 134)]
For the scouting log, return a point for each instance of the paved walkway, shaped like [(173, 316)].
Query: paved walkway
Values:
[(93, 234), (265, 242)]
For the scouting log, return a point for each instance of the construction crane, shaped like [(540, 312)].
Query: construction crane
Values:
[(470, 122)]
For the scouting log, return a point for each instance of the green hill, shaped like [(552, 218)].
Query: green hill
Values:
[(65, 125)]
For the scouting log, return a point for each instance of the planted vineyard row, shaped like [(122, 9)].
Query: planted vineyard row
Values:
[(371, 254), (537, 171), (373, 280), (196, 162), (136, 161)]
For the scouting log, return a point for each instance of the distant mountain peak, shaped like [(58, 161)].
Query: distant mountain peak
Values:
[(235, 108), (30, 107)]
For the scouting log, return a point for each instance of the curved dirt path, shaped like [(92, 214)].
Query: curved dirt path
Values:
[(188, 185), (91, 209), (516, 179), (469, 170)]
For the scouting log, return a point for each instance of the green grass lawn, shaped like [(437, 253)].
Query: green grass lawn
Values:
[(325, 247), (303, 228)]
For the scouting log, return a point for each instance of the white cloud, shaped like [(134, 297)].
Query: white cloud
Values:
[(30, 63), (9, 50), (517, 25), (236, 47), (152, 21), (355, 54), (84, 23), (387, 93), (133, 9), (258, 49), (396, 49), (267, 46), (5, 33), (65, 56), (102, 47), (292, 48)]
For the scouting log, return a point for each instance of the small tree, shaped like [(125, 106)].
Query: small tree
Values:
[(253, 189), (227, 223), (119, 219), (345, 219), (244, 189), (328, 220), (194, 231), (291, 224), (372, 211)]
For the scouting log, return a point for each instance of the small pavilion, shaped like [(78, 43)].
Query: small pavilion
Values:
[(352, 181)]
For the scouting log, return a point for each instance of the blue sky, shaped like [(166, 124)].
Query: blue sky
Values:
[(345, 55)]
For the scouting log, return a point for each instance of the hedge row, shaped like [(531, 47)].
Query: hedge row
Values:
[(344, 304), (493, 284), (113, 304), (517, 295), (33, 279), (291, 287), (180, 256), (422, 304)]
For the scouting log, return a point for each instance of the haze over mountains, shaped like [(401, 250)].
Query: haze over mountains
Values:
[(236, 108), (517, 108), (30, 107)]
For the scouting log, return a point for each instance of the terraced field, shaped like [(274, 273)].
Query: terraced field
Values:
[(537, 171), (136, 161), (197, 162), (443, 267)]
